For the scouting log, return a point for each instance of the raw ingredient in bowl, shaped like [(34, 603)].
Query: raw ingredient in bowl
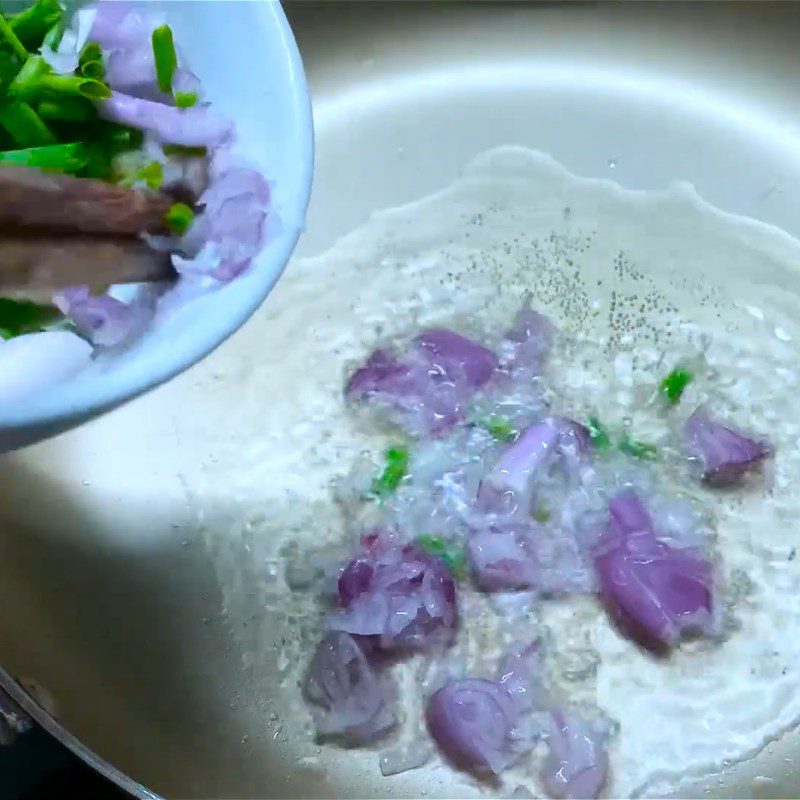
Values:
[(109, 153)]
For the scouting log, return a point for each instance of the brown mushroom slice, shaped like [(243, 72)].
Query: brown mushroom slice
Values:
[(32, 263), (33, 199)]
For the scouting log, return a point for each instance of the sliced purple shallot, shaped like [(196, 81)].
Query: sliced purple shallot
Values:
[(655, 592), (503, 560), (485, 726), (532, 451), (529, 340), (349, 701), (577, 763), (103, 320), (397, 595), (726, 454), (429, 385)]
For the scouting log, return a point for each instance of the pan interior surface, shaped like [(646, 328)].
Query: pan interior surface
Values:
[(146, 554)]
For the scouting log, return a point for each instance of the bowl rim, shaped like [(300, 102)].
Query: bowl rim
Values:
[(64, 406)]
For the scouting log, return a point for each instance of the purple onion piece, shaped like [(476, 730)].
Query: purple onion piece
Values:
[(502, 561), (236, 223), (382, 372), (103, 320), (119, 26), (429, 385), (485, 726), (473, 723), (521, 674), (655, 592), (456, 357), (574, 438), (524, 457), (531, 336), (347, 698), (726, 454), (533, 449), (398, 595), (190, 127), (628, 515), (577, 763)]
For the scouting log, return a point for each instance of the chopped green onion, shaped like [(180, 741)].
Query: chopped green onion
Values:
[(637, 449), (93, 69), (67, 109), (8, 69), (153, 175), (32, 24), (501, 428), (179, 218), (91, 52), (541, 514), (21, 316), (25, 126), (598, 434), (184, 151), (71, 85), (26, 79), (100, 162), (185, 99), (673, 385), (394, 469), (120, 137), (454, 557), (165, 57), (51, 158), (14, 43)]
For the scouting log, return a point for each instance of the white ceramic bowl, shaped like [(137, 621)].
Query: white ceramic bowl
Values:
[(247, 59)]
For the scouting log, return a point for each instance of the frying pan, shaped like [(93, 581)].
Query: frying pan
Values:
[(113, 534)]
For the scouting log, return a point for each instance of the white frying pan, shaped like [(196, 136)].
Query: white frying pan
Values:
[(129, 547)]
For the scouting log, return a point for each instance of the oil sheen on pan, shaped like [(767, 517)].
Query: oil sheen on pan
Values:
[(634, 283)]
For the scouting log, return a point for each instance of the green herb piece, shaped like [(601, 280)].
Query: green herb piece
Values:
[(91, 52), (94, 70), (72, 86), (26, 79), (153, 175), (8, 70), (67, 109), (32, 25), (100, 163), (501, 428), (21, 316), (165, 57), (90, 62), (179, 218), (541, 514), (120, 138), (454, 557), (598, 434), (25, 126), (184, 151), (7, 33), (395, 466), (51, 158), (185, 99), (673, 385), (637, 449)]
